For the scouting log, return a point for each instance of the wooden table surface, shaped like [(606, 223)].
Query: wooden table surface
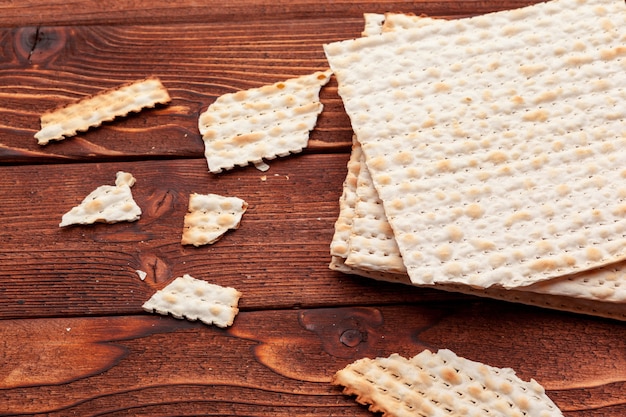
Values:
[(74, 339)]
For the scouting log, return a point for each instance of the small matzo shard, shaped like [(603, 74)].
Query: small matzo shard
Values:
[(210, 216), (442, 384), (266, 122), (193, 299), (107, 203), (105, 106)]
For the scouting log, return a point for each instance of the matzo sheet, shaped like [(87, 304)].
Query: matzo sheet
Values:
[(511, 122)]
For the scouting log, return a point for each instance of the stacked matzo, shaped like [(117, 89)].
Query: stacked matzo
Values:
[(492, 154)]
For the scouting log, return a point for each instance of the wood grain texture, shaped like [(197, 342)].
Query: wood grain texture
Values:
[(80, 12), (279, 256), (73, 337), (49, 67), (133, 365)]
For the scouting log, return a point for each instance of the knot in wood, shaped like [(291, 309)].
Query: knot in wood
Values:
[(352, 337), (39, 45)]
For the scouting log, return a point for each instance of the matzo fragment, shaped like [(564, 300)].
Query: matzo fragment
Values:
[(373, 24), (502, 116), (193, 299), (107, 203), (442, 384), (210, 216), (261, 123), (377, 23), (105, 106)]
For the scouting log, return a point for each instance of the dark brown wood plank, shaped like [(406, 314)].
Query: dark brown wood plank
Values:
[(59, 12), (148, 365), (73, 337), (278, 257), (43, 68)]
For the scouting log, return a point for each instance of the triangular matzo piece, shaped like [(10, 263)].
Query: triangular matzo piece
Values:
[(193, 299), (442, 384), (210, 216), (105, 106), (261, 123), (506, 135), (107, 203)]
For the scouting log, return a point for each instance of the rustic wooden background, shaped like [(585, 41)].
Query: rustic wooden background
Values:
[(73, 337)]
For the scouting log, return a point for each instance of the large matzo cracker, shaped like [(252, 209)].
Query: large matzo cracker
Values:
[(375, 245), (261, 123), (105, 106), (602, 284), (442, 384), (592, 307), (193, 299), (210, 216), (598, 292), (107, 203), (513, 130)]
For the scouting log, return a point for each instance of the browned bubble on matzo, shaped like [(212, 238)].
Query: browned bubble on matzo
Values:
[(106, 204), (105, 106), (507, 126), (210, 216), (194, 299), (261, 123), (442, 384)]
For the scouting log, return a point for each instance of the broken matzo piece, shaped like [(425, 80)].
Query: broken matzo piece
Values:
[(374, 23), (499, 118), (107, 203), (261, 123), (442, 384), (210, 216), (193, 299), (377, 23), (105, 106)]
